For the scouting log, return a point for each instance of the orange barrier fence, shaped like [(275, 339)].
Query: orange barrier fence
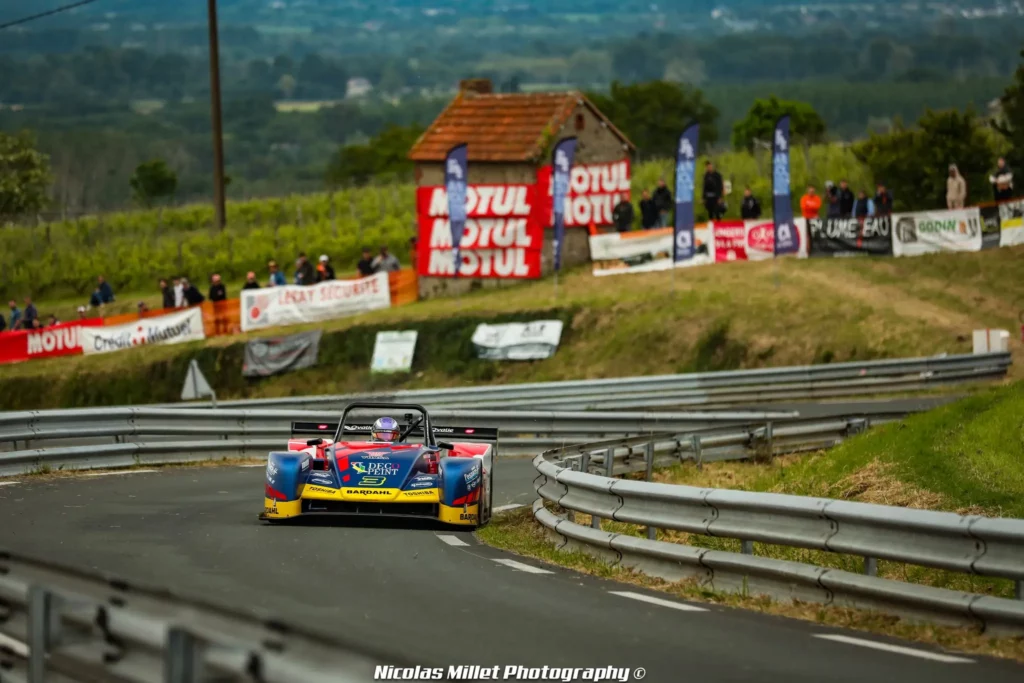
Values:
[(224, 317)]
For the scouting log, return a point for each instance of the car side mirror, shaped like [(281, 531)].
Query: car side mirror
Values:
[(445, 445), (314, 442)]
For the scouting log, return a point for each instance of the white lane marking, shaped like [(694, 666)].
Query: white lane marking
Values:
[(117, 473), (523, 567), (452, 540), (258, 464), (9, 483), (503, 508), (16, 646), (658, 601), (898, 649)]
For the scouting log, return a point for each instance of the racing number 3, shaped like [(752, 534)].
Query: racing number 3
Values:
[(372, 481)]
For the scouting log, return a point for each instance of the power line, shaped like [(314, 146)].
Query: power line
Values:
[(56, 10)]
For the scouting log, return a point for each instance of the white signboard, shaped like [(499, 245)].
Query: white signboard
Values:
[(641, 251), (293, 305), (935, 231), (173, 328), (393, 351), (518, 341)]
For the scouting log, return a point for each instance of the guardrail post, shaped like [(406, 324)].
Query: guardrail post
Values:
[(43, 631), (698, 454), (768, 438), (747, 547), (585, 463), (1018, 589), (609, 462), (182, 662), (871, 566), (649, 460)]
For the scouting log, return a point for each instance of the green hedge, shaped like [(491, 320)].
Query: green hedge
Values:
[(443, 347)]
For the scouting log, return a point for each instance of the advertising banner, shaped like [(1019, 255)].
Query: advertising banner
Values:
[(455, 179), (502, 238), (1011, 223), (561, 160), (518, 341), (173, 328), (754, 240), (293, 305), (275, 355), (49, 342), (936, 231), (851, 236), (393, 351), (594, 191), (642, 251), (990, 237), (785, 241), (686, 163)]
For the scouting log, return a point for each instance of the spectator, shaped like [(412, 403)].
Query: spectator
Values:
[(218, 292), (324, 272), (82, 311), (846, 199), (250, 281), (1002, 181), (30, 318), (714, 192), (15, 315), (106, 293), (179, 293), (304, 272), (192, 295), (53, 320), (276, 276), (810, 203), (863, 207), (956, 189), (386, 262), (143, 308), (750, 208), (167, 293), (622, 215), (648, 211), (365, 265), (663, 200), (96, 300), (883, 201), (832, 194)]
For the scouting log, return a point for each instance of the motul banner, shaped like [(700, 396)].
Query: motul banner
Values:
[(49, 342), (594, 190), (173, 328), (294, 304), (754, 240), (502, 237)]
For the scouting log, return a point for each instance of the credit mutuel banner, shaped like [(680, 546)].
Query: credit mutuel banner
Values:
[(173, 328)]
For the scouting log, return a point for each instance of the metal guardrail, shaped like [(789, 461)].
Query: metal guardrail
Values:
[(703, 390), (66, 625), (969, 544), (118, 437)]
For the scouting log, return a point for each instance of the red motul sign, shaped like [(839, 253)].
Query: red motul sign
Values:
[(504, 232), (58, 340)]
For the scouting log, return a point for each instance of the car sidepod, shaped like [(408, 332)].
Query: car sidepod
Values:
[(285, 477), (466, 490)]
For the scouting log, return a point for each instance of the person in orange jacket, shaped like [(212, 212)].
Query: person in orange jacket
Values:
[(810, 203)]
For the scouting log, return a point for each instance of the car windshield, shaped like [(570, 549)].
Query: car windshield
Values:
[(358, 419)]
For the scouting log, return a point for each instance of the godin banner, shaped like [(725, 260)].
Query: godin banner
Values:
[(518, 341), (936, 231), (294, 305), (173, 328)]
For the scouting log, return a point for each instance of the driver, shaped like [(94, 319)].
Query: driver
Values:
[(385, 429)]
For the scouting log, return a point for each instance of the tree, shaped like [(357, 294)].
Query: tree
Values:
[(152, 181), (653, 114), (24, 176), (805, 124), (1011, 106), (384, 156), (913, 163)]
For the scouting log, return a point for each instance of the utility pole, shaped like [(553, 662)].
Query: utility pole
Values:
[(219, 212)]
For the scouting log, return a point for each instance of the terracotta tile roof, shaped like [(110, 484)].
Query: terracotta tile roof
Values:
[(500, 127)]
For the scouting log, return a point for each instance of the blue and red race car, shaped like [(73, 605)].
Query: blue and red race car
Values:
[(405, 473)]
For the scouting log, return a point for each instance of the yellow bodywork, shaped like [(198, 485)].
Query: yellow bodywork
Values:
[(467, 515)]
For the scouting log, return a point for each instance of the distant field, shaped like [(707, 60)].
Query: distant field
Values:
[(303, 107)]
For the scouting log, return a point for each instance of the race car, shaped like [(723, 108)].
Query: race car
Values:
[(383, 467)]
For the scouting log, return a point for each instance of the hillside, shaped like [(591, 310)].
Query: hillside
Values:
[(738, 315)]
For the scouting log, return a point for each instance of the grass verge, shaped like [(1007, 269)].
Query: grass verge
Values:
[(518, 533)]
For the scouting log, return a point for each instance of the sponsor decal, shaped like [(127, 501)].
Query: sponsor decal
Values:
[(320, 478), (410, 494), (59, 340), (418, 483), (466, 517), (321, 489), (375, 455), (473, 478), (373, 481), (383, 469), (369, 493), (305, 465), (270, 510), (271, 469)]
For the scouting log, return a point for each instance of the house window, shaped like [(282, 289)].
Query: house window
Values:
[(581, 122)]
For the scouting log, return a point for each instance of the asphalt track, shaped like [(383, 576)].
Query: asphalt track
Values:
[(415, 590)]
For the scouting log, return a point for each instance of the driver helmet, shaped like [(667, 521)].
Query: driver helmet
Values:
[(385, 429)]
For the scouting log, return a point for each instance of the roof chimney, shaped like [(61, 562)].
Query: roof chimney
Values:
[(480, 86)]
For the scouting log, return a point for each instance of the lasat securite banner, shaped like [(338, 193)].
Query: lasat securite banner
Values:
[(173, 328), (293, 305)]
